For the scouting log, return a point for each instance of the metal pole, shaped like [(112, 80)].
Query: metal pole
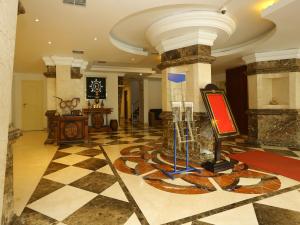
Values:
[(175, 148), (187, 149)]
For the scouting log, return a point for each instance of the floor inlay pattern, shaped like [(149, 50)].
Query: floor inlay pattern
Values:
[(117, 178), (147, 159)]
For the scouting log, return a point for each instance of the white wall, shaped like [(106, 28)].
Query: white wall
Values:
[(152, 95), (110, 102), (17, 96), (134, 87), (68, 88), (219, 80)]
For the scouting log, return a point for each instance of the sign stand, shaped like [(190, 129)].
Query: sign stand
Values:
[(183, 133), (223, 124), (185, 140)]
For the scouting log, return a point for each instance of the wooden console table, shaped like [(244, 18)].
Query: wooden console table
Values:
[(66, 129), (97, 118)]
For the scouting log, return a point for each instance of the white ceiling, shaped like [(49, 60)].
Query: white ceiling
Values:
[(74, 28)]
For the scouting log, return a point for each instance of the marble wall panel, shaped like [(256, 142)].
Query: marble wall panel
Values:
[(204, 139), (274, 127)]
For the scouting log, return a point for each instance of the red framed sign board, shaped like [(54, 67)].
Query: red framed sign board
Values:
[(219, 112)]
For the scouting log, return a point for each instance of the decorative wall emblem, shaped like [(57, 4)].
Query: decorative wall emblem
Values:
[(95, 84)]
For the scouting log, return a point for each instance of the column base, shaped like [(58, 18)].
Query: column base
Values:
[(8, 214), (201, 150), (216, 167), (275, 127)]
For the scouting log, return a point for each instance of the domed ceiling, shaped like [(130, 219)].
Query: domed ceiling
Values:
[(114, 32)]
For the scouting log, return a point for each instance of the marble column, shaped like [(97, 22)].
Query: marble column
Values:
[(50, 75), (8, 214), (8, 21), (195, 61), (184, 42), (274, 98), (64, 80)]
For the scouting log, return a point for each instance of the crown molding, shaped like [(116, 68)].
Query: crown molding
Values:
[(272, 55), (126, 47), (185, 40), (65, 61), (121, 69), (245, 46), (187, 29)]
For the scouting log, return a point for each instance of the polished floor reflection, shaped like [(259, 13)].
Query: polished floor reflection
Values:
[(117, 179)]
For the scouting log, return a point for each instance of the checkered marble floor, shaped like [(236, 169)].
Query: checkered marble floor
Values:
[(81, 186)]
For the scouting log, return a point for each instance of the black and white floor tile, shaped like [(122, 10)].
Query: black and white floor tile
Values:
[(82, 187)]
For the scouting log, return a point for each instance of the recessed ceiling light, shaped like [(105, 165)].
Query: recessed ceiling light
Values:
[(49, 42), (95, 38), (37, 20), (141, 74)]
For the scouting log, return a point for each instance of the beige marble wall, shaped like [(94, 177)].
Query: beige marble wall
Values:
[(67, 88), (283, 87), (198, 75), (51, 92), (294, 93), (219, 80), (8, 20)]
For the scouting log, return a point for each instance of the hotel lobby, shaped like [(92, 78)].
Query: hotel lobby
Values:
[(142, 112)]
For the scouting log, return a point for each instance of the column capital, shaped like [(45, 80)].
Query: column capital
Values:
[(190, 28), (65, 61), (273, 62), (187, 55)]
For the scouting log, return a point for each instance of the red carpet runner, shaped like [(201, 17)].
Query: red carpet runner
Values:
[(270, 162)]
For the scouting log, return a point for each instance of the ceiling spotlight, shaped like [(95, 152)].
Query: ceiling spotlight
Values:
[(37, 20), (95, 38), (141, 74), (223, 10), (49, 42)]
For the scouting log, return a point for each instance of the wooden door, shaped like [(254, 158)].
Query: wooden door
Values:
[(32, 104), (237, 94)]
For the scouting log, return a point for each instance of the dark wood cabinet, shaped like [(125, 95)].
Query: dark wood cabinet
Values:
[(52, 126), (66, 129), (72, 129)]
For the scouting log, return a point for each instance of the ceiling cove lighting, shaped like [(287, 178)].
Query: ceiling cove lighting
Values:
[(75, 2), (265, 4)]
